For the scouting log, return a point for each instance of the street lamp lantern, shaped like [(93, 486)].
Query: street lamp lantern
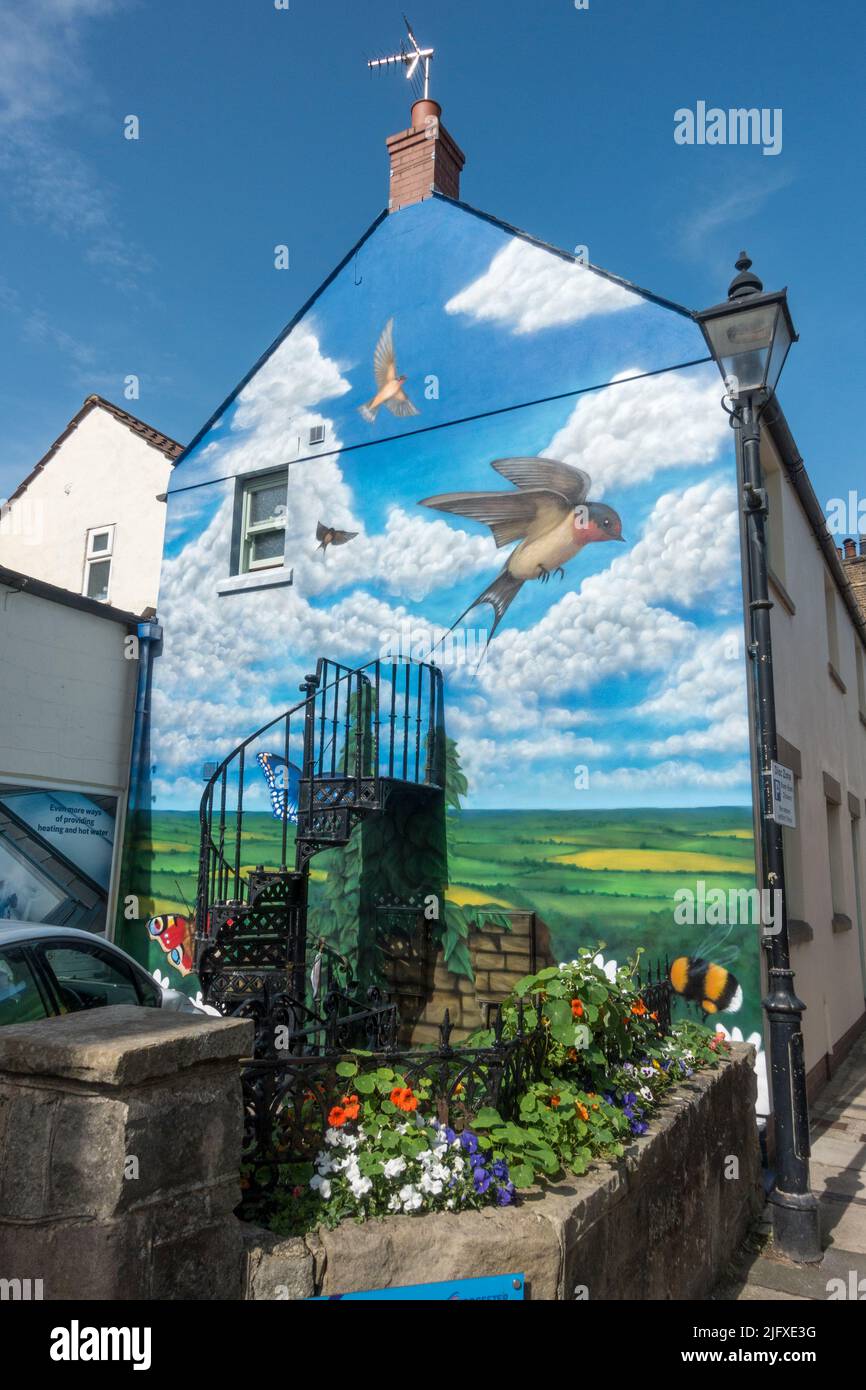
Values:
[(749, 334)]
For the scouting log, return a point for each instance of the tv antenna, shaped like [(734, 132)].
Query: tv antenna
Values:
[(411, 58)]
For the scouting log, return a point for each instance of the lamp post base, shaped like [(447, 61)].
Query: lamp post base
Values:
[(796, 1226)]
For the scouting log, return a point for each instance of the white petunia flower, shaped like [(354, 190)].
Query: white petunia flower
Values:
[(321, 1185), (410, 1197), (431, 1185), (394, 1167), (360, 1186)]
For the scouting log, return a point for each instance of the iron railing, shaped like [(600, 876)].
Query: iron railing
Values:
[(286, 1104)]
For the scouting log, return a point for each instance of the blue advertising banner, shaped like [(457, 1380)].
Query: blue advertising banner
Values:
[(499, 1288)]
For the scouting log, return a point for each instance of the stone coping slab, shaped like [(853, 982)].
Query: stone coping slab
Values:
[(121, 1045)]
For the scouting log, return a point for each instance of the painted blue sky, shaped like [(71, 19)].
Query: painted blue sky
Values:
[(261, 126), (628, 668)]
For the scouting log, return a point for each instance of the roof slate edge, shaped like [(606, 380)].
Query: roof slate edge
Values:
[(566, 255), (293, 323), (40, 588), (162, 442)]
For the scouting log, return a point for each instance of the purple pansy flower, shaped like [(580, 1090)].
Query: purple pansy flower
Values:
[(482, 1179)]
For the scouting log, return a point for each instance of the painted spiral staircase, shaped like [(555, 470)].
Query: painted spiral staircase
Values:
[(327, 763)]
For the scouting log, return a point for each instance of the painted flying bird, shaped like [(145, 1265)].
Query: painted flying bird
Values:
[(549, 515), (329, 535), (390, 386)]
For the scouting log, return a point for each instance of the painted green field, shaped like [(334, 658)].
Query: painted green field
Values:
[(592, 876)]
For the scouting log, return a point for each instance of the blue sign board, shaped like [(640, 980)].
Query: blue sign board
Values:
[(499, 1288)]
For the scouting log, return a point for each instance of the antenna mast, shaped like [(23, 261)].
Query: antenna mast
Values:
[(410, 58)]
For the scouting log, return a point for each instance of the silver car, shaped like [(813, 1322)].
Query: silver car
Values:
[(47, 971)]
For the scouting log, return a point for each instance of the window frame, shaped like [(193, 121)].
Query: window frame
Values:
[(249, 531), (97, 557), (98, 947)]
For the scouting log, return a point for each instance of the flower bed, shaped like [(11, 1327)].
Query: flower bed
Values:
[(390, 1149)]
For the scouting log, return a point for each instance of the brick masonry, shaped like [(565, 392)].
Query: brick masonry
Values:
[(424, 988), (423, 158)]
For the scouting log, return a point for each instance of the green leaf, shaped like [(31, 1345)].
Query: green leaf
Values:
[(486, 1118), (365, 1085), (521, 1175), (346, 1068)]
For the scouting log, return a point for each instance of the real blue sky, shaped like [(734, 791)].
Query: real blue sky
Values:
[(260, 126)]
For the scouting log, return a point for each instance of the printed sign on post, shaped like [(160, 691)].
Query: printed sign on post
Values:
[(783, 795)]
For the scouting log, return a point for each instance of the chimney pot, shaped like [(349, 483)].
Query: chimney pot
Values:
[(850, 549), (863, 543), (423, 109)]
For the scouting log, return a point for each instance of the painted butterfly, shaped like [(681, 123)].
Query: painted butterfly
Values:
[(284, 784), (174, 934)]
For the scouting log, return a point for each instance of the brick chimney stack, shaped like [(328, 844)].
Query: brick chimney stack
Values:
[(854, 566), (424, 159)]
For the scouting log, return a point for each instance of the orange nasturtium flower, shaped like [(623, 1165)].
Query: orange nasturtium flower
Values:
[(576, 1009), (639, 1008), (402, 1097), (582, 1110), (337, 1117), (554, 1100), (351, 1106)]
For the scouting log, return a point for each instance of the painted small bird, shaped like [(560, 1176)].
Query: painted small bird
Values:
[(329, 535), (390, 385), (549, 515)]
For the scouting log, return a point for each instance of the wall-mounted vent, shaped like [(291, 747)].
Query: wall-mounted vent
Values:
[(317, 435)]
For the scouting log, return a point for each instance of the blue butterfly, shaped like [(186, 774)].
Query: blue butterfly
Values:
[(284, 784)]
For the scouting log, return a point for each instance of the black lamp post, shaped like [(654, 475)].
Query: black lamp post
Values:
[(749, 336)]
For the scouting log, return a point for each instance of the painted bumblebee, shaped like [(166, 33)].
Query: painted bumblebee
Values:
[(705, 979)]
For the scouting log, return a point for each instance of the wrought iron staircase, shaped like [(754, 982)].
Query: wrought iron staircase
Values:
[(357, 735)]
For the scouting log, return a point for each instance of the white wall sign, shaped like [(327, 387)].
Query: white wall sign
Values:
[(783, 795)]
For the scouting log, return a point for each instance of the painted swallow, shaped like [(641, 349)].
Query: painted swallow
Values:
[(549, 515), (390, 392), (329, 535)]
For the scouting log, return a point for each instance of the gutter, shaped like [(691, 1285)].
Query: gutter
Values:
[(149, 637), (780, 433)]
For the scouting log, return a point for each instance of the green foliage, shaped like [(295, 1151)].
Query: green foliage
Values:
[(383, 1154), (606, 1070)]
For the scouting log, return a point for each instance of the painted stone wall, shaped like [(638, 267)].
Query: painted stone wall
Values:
[(472, 444)]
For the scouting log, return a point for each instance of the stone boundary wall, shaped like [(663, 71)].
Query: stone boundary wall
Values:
[(82, 1096), (661, 1223), (120, 1141)]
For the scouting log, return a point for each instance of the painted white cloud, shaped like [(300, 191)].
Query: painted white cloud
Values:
[(672, 775), (276, 409), (624, 435), (411, 558), (708, 681), (527, 288)]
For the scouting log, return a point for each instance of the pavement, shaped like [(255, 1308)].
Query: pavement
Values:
[(838, 1175)]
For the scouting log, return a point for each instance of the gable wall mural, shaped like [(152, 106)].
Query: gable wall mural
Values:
[(518, 447)]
